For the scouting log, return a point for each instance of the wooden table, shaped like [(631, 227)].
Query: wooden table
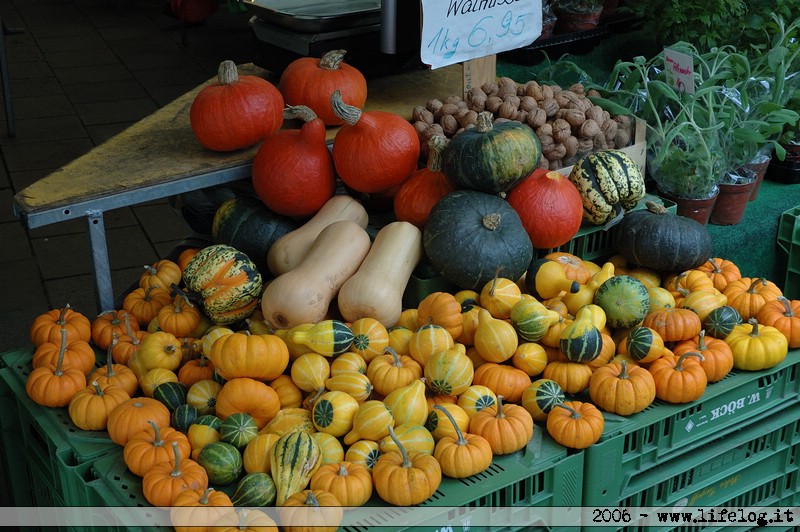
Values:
[(159, 157)]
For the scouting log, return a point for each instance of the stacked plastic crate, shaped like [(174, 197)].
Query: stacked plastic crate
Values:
[(789, 241)]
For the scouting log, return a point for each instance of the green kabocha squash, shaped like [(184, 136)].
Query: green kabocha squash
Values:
[(580, 341), (470, 234), (624, 299), (246, 224), (171, 394), (228, 282), (491, 157), (610, 182), (222, 461), (654, 238)]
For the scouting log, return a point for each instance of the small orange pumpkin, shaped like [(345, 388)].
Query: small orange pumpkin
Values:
[(152, 446), (462, 455), (575, 424), (54, 385), (748, 295), (720, 271), (163, 482), (622, 389), (405, 479), (784, 315), (47, 327), (507, 427), (199, 506), (441, 308), (717, 355), (89, 408), (350, 483), (679, 379)]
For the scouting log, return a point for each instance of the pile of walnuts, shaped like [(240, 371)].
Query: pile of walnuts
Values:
[(567, 123)]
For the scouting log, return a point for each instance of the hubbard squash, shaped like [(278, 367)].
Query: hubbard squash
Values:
[(656, 239), (290, 249), (304, 294), (376, 289), (469, 234)]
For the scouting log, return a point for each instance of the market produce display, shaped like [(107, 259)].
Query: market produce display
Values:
[(303, 379)]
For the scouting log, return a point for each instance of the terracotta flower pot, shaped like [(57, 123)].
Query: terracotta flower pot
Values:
[(569, 22), (698, 209), (731, 203)]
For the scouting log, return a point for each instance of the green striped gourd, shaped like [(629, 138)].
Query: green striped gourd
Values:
[(476, 398), (609, 182), (328, 337), (643, 344), (580, 341), (227, 280), (238, 429), (531, 319), (183, 416), (450, 372), (170, 394), (540, 397), (254, 489), (364, 452), (720, 321), (333, 413), (222, 461), (294, 458), (624, 299)]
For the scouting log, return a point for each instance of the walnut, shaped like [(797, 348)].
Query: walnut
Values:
[(476, 99), (556, 164), (500, 120), (556, 89), (537, 117), (561, 99), (421, 126), (623, 138), (571, 145), (469, 117), (585, 146), (490, 88), (445, 109), (513, 99), (569, 160), (595, 113), (462, 105), (528, 103), (507, 85), (507, 110), (624, 122), (550, 107), (545, 129), (419, 113), (533, 89), (577, 88), (521, 116), (453, 98), (546, 141), (609, 129), (544, 163), (593, 93), (599, 142), (555, 151), (589, 129), (575, 117), (433, 105), (449, 125), (561, 130), (547, 92), (493, 103)]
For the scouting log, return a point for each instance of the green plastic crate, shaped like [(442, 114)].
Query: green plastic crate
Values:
[(17, 490), (543, 474), (755, 466), (633, 444), (789, 241), (46, 437)]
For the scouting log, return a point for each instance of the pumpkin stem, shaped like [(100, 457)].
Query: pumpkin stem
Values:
[(62, 315), (484, 122), (494, 281), (62, 349), (752, 289), (157, 441), (461, 440), (754, 323), (655, 208), (242, 520), (147, 291), (292, 112), (227, 73), (342, 470), (491, 221), (176, 471), (575, 414), (204, 498), (134, 338), (701, 341), (679, 364), (714, 266), (109, 357), (787, 307), (500, 413), (150, 270), (395, 357), (623, 373), (349, 113), (97, 389), (311, 500), (332, 59), (406, 460), (436, 144)]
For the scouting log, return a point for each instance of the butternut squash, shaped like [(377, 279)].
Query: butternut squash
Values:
[(304, 294), (287, 252), (376, 289)]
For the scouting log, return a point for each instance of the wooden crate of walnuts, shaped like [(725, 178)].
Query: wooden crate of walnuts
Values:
[(567, 123)]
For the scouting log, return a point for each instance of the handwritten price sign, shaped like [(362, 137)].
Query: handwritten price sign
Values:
[(459, 30)]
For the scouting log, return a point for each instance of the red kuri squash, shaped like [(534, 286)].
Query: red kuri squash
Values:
[(417, 196)]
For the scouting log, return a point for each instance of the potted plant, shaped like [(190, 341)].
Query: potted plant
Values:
[(576, 15)]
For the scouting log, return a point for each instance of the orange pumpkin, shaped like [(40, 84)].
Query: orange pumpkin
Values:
[(47, 327), (248, 395), (321, 512), (717, 355), (350, 483), (152, 446), (257, 356), (391, 371), (507, 427), (441, 308), (163, 274), (110, 323), (784, 315), (747, 295), (502, 379), (192, 507), (163, 482), (133, 416), (54, 385), (673, 324), (679, 379), (720, 271), (76, 354), (118, 375), (180, 317), (622, 389), (575, 424), (89, 408), (405, 479)]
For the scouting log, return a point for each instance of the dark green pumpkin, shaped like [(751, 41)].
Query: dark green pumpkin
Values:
[(222, 461), (609, 182), (183, 416), (720, 321), (642, 343), (254, 490), (227, 280), (624, 299), (541, 397), (470, 234), (654, 238), (247, 225), (238, 429), (170, 394), (212, 421), (491, 157), (581, 341)]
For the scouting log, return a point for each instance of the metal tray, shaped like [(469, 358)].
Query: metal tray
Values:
[(315, 16)]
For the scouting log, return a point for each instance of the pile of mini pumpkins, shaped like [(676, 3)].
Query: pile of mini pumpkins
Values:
[(325, 413)]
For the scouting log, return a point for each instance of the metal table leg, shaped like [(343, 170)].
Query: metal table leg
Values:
[(101, 268)]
